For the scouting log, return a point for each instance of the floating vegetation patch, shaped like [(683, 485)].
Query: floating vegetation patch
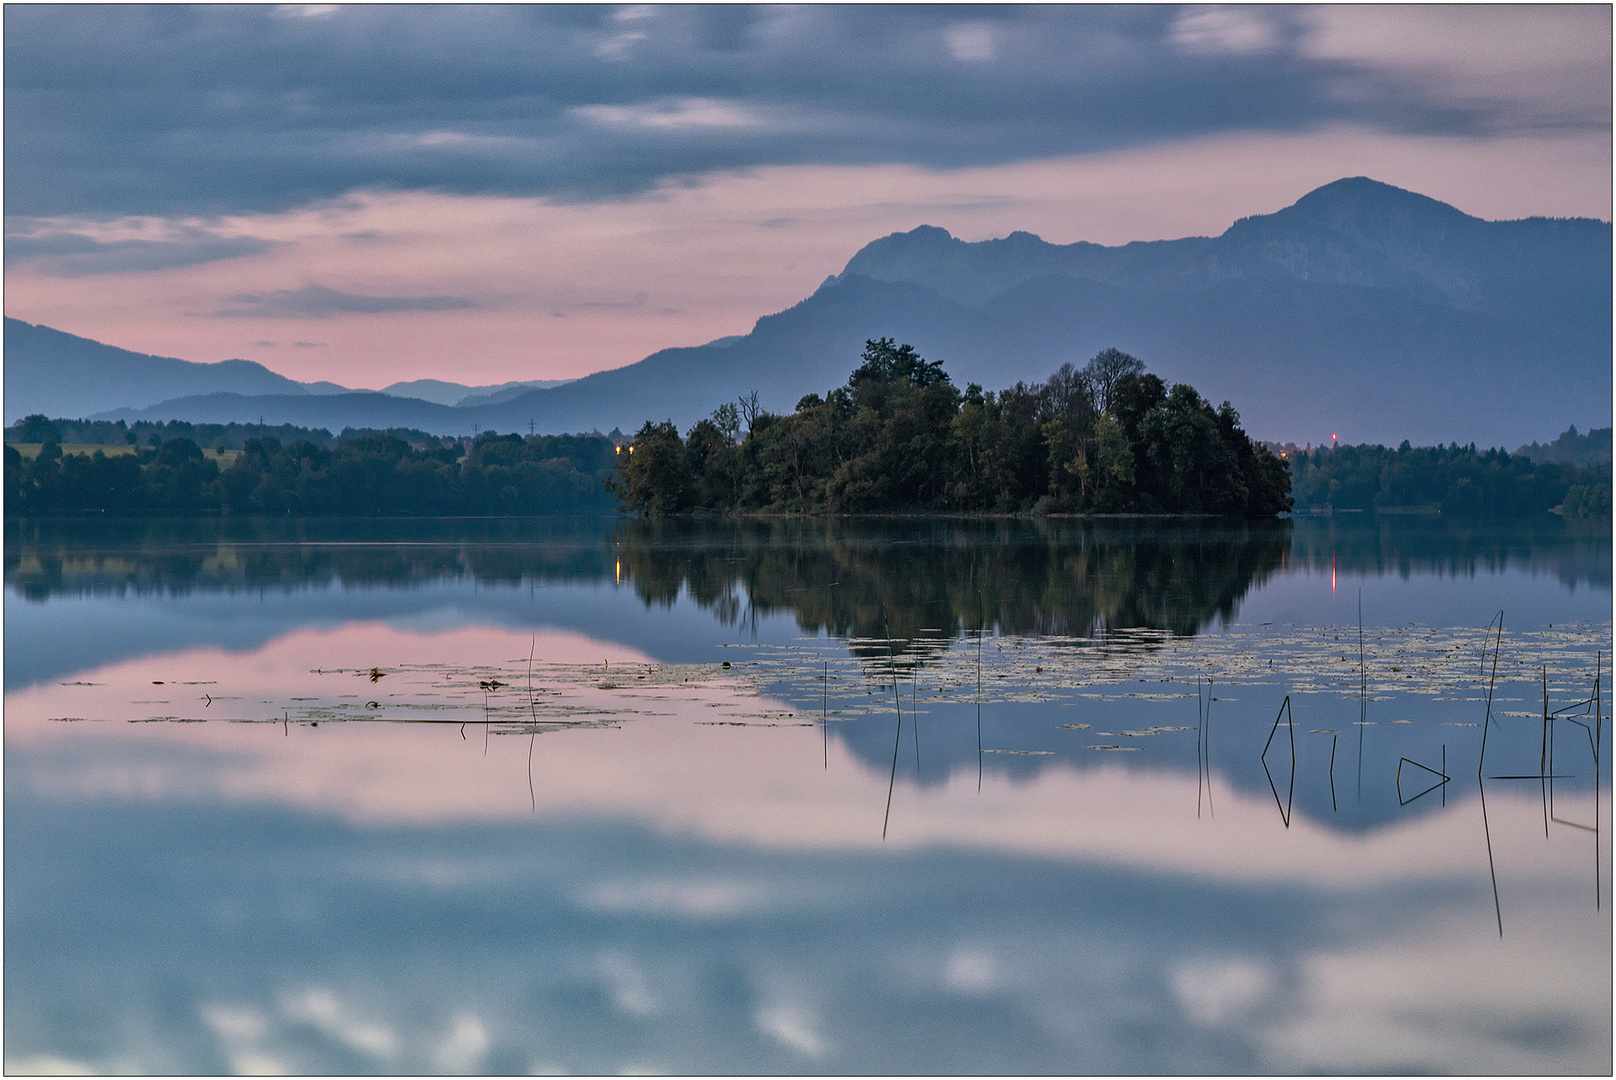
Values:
[(856, 679), (744, 723)]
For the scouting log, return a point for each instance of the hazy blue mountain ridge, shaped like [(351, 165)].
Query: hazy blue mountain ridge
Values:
[(63, 375), (1362, 309), (360, 409), (1350, 232), (453, 393), (59, 374)]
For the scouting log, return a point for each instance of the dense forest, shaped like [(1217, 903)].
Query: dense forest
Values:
[(110, 433), (1454, 480), (1109, 438), (379, 474)]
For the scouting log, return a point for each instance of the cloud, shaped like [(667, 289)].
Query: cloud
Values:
[(464, 1047), (1218, 992), (1217, 29), (971, 971), (1521, 67), (687, 899), (793, 1027), (970, 41), (321, 1009), (114, 110), (70, 254), (672, 115), (317, 302)]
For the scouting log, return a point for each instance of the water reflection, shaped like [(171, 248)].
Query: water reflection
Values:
[(646, 861), (1577, 553), (851, 577), (178, 557), (702, 885), (932, 580)]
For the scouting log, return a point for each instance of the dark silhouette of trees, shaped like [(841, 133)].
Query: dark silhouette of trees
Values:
[(900, 436), (1107, 371), (1453, 479), (38, 428), (370, 473)]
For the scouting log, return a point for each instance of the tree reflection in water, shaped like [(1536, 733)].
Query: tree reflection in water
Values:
[(928, 579), (936, 580)]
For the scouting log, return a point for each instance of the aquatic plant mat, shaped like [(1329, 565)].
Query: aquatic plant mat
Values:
[(516, 695)]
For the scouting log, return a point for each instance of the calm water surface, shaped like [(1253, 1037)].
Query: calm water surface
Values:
[(902, 797)]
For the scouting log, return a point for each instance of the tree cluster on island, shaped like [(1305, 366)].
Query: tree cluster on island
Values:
[(900, 437)]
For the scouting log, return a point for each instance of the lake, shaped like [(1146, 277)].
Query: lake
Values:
[(807, 796)]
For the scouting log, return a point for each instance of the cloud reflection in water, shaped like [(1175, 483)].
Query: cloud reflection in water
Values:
[(688, 897)]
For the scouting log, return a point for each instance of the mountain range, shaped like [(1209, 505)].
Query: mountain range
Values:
[(63, 375), (1361, 310)]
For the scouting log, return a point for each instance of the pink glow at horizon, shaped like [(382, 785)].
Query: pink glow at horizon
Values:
[(566, 289)]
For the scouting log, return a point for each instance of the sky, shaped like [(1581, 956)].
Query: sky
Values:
[(371, 194)]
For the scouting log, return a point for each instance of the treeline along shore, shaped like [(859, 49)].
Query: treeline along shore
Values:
[(898, 437), (1454, 480), (380, 474)]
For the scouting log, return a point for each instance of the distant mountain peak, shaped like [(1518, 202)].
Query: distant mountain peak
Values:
[(1360, 191), (1363, 208), (924, 244)]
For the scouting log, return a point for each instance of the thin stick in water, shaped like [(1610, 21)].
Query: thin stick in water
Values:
[(1491, 867), (914, 714), (1487, 722), (1210, 809), (892, 781), (824, 706), (1199, 735), (1363, 704), (1333, 739)]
